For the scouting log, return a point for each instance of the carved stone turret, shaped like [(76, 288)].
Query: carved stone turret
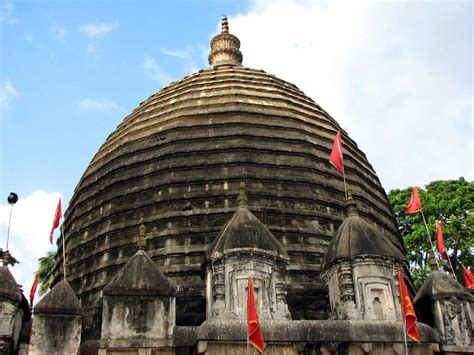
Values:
[(245, 247), (359, 269), (446, 305), (10, 311), (56, 327), (139, 303)]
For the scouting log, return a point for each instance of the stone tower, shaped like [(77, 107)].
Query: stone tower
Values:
[(360, 269), (246, 248)]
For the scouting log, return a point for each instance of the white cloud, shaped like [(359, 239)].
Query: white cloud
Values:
[(31, 222), (396, 76), (29, 37), (59, 32), (90, 50), (186, 53), (7, 94), (98, 29), (7, 14), (154, 72), (103, 105)]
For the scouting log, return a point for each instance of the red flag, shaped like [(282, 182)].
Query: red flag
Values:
[(254, 333), (441, 245), (468, 278), (408, 312), (336, 153), (33, 288), (57, 218), (415, 204)]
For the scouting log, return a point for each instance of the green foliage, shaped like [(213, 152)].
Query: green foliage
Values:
[(452, 203), (46, 264)]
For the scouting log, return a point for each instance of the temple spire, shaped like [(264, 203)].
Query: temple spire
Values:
[(225, 47)]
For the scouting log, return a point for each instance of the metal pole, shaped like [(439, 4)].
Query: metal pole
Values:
[(345, 186), (9, 222), (64, 251), (405, 335), (451, 265), (429, 238)]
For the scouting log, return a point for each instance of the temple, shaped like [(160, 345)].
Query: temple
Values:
[(218, 177)]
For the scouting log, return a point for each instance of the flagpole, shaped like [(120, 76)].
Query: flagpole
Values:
[(451, 265), (405, 335), (247, 333), (429, 238), (64, 252), (345, 186)]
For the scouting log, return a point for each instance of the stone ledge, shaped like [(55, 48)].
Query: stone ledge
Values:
[(315, 331)]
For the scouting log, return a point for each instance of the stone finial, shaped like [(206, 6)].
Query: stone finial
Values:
[(224, 25), (141, 241), (225, 47), (351, 205), (242, 199), (7, 258), (432, 261)]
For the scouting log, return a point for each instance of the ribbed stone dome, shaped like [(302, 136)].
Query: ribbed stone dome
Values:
[(175, 164)]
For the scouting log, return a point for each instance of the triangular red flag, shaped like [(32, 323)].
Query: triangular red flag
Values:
[(33, 288), (468, 278), (254, 333), (336, 153), (408, 312), (415, 204), (57, 218), (441, 245)]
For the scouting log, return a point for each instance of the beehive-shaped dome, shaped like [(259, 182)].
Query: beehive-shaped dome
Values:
[(175, 164)]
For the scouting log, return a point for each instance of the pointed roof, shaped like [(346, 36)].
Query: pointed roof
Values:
[(139, 277), (60, 300), (9, 288), (245, 230), (439, 285), (355, 236)]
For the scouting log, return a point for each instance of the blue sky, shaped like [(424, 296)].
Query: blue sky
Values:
[(78, 70), (398, 76)]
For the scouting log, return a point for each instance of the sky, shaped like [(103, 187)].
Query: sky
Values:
[(397, 76)]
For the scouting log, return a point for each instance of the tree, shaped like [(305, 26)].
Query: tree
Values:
[(46, 264), (452, 203)]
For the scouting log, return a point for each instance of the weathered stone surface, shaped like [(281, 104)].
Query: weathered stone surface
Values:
[(13, 312), (57, 322), (244, 230), (55, 334), (446, 305), (60, 300), (354, 237), (315, 331), (439, 285), (139, 277), (9, 289)]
